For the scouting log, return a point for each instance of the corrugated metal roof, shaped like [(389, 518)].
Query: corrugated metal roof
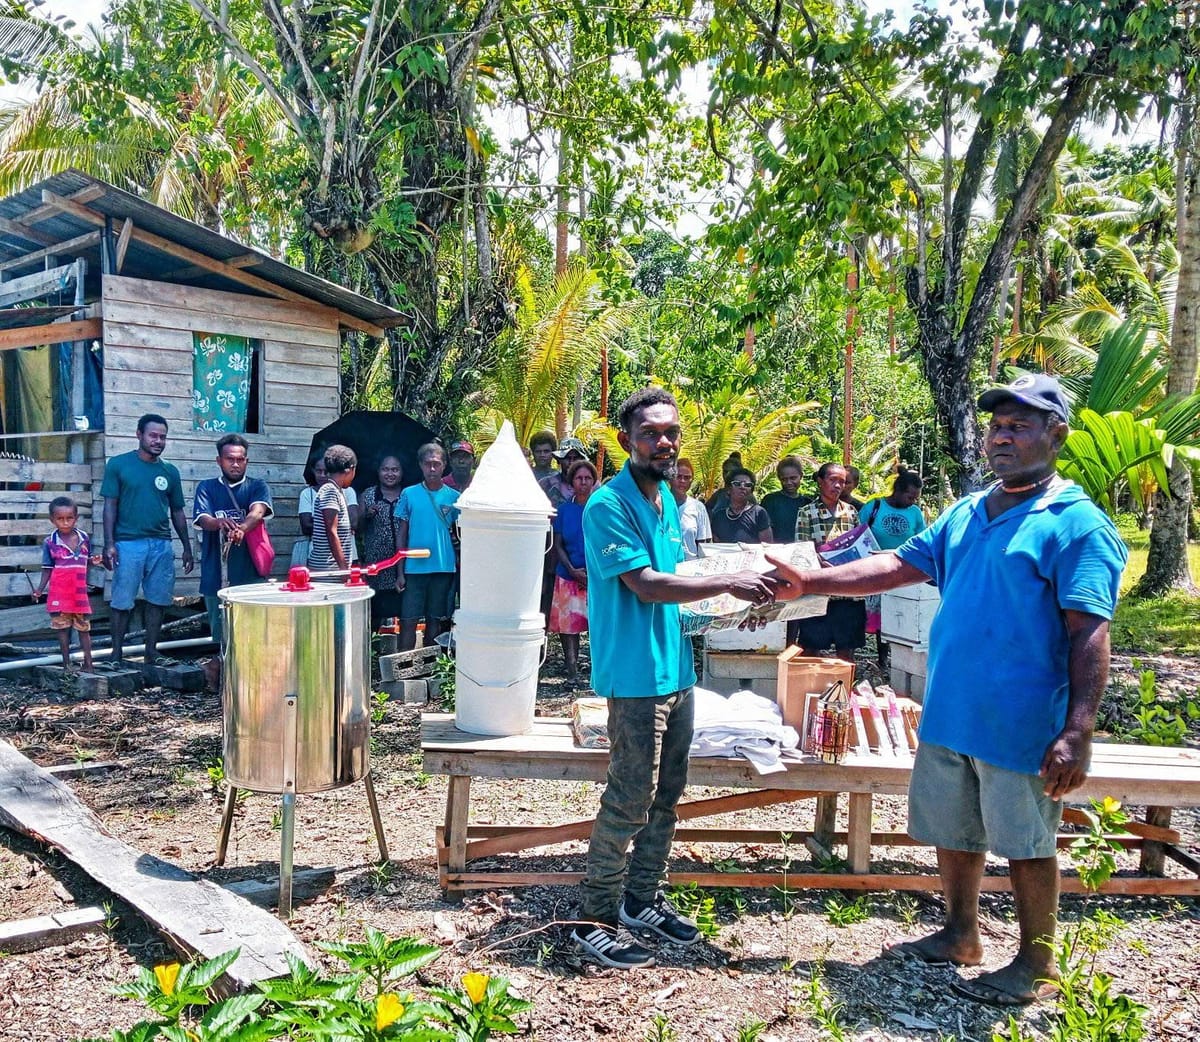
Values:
[(19, 318), (145, 261)]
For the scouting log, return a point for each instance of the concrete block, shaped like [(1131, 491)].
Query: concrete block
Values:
[(409, 692), (178, 676), (54, 676), (387, 643), (108, 681), (908, 658), (408, 665), (727, 672), (910, 684)]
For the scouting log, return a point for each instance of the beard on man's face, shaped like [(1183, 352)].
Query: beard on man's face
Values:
[(661, 468)]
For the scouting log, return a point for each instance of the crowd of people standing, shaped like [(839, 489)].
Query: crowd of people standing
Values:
[(144, 501)]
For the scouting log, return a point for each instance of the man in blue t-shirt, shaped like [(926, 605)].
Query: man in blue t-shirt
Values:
[(224, 510), (1028, 571), (425, 515), (143, 500), (641, 663)]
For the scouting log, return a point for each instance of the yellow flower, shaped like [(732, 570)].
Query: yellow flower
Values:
[(475, 985), (167, 976), (388, 1009), (1110, 806)]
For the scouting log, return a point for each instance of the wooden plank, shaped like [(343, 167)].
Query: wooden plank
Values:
[(17, 584), (27, 558), (23, 231), (52, 333), (123, 243), (1182, 858), (42, 434), (37, 284), (314, 396), (1153, 854), (229, 321), (117, 288), (1069, 884), (68, 770), (32, 620), (27, 935), (858, 842), (66, 248), (196, 915), (38, 501), (299, 352), (84, 195), (289, 416), (49, 473), (549, 752), (1074, 816), (35, 526)]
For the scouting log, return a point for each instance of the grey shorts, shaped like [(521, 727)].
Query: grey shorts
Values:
[(960, 803)]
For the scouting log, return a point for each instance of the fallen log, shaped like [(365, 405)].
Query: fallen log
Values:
[(196, 916)]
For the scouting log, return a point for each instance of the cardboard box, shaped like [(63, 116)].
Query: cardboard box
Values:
[(798, 675)]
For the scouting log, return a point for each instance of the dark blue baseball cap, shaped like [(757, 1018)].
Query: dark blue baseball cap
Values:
[(1037, 390)]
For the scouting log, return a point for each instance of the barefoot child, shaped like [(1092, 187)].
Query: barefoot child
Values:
[(66, 553)]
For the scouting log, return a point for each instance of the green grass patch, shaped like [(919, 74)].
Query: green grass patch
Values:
[(1160, 624)]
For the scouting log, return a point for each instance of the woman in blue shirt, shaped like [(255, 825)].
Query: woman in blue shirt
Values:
[(897, 518), (568, 606), (893, 521)]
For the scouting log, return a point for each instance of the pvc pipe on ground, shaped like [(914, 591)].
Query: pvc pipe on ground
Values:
[(77, 656)]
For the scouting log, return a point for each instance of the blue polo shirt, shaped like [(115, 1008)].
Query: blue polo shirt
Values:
[(638, 649), (997, 687)]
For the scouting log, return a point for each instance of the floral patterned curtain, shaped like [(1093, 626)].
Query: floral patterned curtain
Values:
[(220, 382)]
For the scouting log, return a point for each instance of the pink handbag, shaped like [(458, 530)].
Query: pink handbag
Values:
[(262, 553), (257, 542)]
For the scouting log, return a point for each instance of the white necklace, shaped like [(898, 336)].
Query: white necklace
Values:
[(734, 517)]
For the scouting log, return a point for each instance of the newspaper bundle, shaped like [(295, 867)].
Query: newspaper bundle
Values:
[(724, 611)]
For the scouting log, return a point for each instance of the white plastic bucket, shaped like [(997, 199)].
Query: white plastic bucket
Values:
[(496, 671), (503, 553)]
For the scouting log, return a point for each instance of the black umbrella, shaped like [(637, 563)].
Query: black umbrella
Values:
[(372, 436)]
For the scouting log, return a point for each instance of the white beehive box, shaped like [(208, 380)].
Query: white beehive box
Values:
[(771, 637), (906, 614)]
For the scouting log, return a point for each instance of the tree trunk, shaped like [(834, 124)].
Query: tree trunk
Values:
[(1167, 565)]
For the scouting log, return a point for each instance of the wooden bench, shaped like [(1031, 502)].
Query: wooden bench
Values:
[(1139, 776)]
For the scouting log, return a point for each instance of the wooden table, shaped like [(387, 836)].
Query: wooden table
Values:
[(1157, 779)]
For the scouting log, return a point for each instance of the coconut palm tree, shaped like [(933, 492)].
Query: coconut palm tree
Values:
[(184, 149), (555, 342)]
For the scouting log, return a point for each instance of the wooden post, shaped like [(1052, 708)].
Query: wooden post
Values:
[(79, 352), (1152, 860)]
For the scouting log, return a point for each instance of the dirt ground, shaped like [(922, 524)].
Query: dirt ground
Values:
[(757, 969)]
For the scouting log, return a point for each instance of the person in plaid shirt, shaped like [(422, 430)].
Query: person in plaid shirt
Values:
[(844, 624)]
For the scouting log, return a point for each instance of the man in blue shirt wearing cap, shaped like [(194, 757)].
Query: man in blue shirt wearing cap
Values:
[(642, 663), (1028, 571)]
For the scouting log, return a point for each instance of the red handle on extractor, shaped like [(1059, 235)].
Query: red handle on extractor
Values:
[(299, 578)]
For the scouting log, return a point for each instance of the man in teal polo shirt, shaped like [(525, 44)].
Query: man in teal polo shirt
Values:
[(642, 663), (1028, 571), (143, 500)]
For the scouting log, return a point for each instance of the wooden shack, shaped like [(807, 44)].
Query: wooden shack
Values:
[(109, 307)]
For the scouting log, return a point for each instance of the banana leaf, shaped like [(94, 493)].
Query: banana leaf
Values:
[(1103, 449)]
